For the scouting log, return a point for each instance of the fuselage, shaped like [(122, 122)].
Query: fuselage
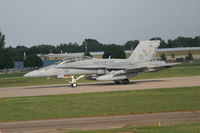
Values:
[(88, 66), (56, 69), (118, 70)]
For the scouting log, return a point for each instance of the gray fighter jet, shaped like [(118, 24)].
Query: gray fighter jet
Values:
[(117, 70)]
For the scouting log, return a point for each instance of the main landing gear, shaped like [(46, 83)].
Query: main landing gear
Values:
[(124, 81)]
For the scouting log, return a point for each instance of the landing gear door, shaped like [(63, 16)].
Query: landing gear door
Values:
[(61, 76), (101, 71)]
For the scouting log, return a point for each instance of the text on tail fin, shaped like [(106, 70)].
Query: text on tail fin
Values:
[(145, 51)]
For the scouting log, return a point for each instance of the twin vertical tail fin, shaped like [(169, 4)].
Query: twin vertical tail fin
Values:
[(145, 51)]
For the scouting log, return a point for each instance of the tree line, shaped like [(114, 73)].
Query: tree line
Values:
[(5, 59), (94, 46), (10, 54)]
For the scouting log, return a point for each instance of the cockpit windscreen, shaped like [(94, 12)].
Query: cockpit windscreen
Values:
[(73, 59)]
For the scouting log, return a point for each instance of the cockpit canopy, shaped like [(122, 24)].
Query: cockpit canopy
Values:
[(73, 59)]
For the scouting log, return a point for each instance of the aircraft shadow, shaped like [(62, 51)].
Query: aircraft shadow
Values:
[(132, 82), (43, 87)]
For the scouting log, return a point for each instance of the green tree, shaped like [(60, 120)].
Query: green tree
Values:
[(33, 61), (163, 57), (173, 55), (5, 59), (189, 57), (69, 48), (2, 42), (92, 45), (87, 54), (42, 49), (163, 44), (114, 51), (17, 53), (131, 45), (184, 42)]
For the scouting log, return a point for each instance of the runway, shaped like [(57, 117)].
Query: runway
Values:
[(107, 122), (99, 87)]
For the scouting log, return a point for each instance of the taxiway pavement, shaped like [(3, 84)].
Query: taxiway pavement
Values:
[(106, 122), (99, 87)]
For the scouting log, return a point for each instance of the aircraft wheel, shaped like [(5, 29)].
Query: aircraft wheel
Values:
[(118, 82), (125, 81), (74, 85)]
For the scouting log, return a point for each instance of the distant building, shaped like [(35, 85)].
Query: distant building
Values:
[(174, 53), (61, 56), (18, 65), (171, 53)]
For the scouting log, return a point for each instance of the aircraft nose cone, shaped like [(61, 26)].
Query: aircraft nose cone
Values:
[(32, 74), (26, 75)]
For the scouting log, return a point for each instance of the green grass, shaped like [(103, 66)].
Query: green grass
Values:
[(189, 63), (19, 74), (99, 104), (190, 128), (178, 53), (12, 81), (173, 72), (21, 81)]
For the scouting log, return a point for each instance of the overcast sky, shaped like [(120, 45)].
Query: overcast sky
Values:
[(34, 22)]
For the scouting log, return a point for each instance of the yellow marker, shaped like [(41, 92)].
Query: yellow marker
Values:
[(67, 77), (159, 124), (1, 96)]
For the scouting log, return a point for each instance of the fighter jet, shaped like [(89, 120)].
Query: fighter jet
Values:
[(117, 70)]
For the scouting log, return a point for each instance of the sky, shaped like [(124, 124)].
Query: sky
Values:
[(34, 22)]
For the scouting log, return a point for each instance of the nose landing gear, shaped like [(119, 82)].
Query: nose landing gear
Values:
[(74, 80), (124, 81), (74, 85)]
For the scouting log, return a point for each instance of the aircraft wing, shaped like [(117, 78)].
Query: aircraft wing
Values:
[(160, 67), (82, 67), (129, 68), (168, 65), (134, 68)]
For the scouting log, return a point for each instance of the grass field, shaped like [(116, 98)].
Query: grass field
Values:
[(99, 104), (173, 72), (10, 75), (192, 128), (189, 63), (178, 53), (13, 80)]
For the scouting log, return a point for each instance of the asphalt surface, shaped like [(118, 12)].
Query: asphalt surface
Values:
[(107, 122), (99, 87)]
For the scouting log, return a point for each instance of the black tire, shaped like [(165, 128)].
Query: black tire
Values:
[(118, 82), (74, 85), (125, 81)]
